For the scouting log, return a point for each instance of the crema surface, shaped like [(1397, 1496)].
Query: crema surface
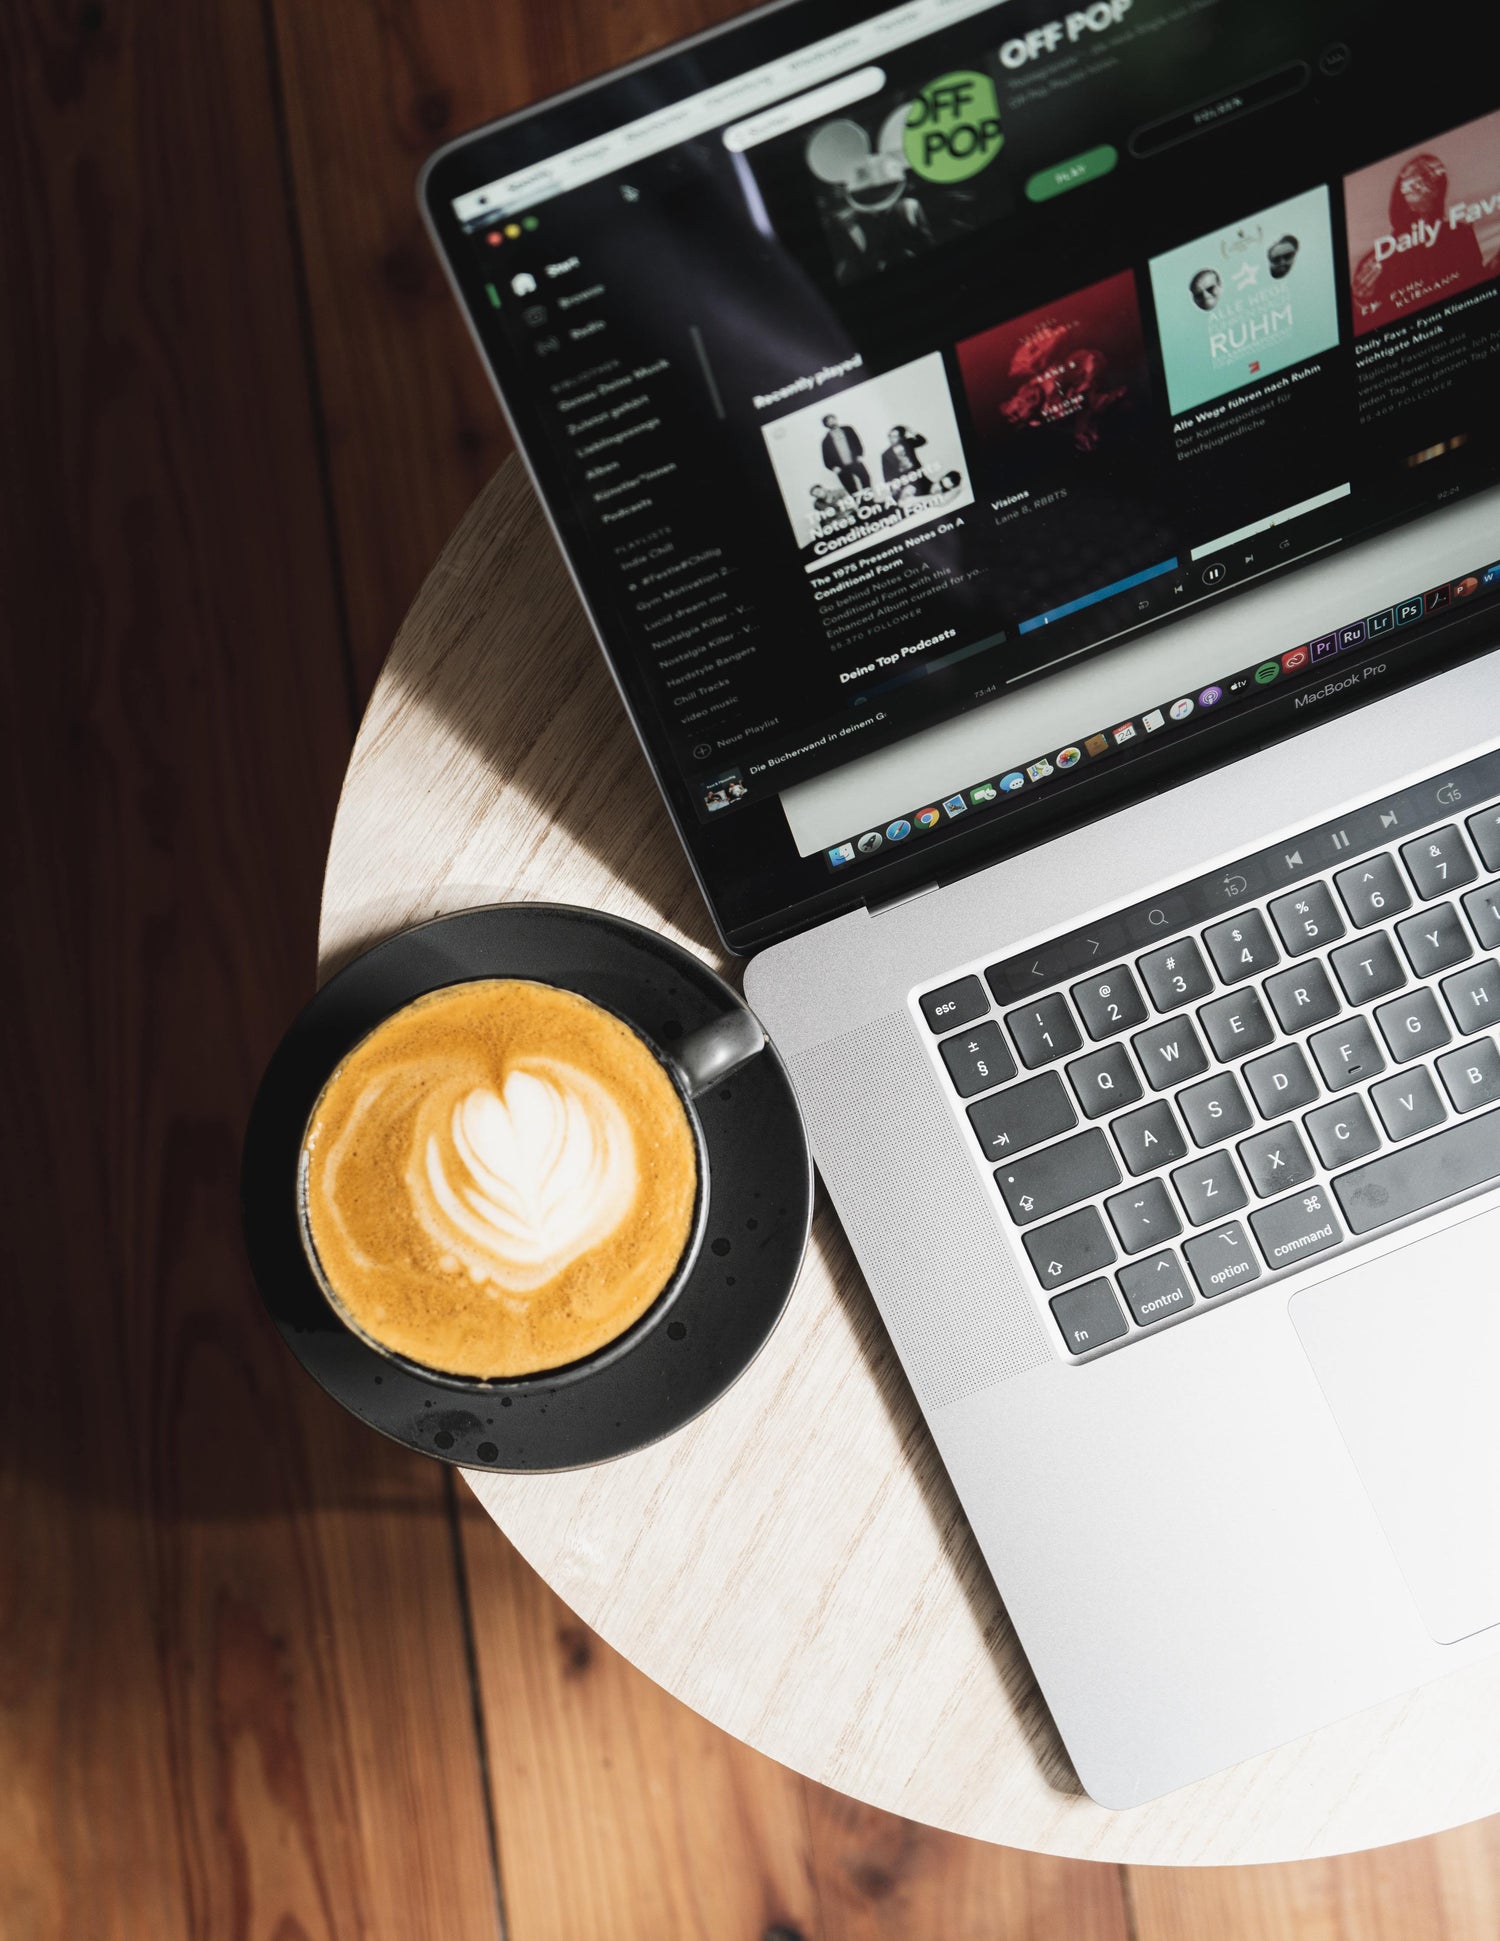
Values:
[(500, 1179)]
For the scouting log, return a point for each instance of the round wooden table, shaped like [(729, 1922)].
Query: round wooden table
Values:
[(794, 1564)]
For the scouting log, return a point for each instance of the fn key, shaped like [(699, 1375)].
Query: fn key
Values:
[(1088, 1316)]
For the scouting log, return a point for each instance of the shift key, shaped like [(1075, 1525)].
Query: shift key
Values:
[(1289, 1230)]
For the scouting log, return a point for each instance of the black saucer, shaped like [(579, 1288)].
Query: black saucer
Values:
[(680, 1356)]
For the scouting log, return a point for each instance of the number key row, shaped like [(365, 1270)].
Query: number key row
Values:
[(1301, 998)]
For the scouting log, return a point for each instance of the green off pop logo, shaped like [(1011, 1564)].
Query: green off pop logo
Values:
[(953, 128)]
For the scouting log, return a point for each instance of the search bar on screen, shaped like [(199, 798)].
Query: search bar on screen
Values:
[(842, 93)]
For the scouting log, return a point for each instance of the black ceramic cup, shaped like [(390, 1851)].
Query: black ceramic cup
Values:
[(735, 1273)]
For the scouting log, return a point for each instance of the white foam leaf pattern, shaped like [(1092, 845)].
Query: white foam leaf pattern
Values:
[(514, 1186)]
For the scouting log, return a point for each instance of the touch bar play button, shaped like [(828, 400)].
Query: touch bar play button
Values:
[(1219, 108), (1413, 1177)]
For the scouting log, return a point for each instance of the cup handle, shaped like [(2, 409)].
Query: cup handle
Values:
[(715, 1051)]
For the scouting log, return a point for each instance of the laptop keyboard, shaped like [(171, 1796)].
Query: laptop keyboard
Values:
[(1194, 1118)]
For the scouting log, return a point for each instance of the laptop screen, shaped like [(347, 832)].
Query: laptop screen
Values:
[(919, 393)]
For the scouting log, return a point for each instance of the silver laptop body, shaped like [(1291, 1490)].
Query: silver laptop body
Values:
[(1276, 1507)]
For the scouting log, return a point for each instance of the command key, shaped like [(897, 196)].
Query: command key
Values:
[(1301, 1224)]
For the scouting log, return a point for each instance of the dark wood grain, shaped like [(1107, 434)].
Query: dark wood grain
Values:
[(233, 1698)]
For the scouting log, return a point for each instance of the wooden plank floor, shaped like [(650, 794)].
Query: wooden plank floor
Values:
[(262, 1675)]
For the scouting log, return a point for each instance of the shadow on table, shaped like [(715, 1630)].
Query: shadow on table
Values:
[(942, 1504), (498, 661)]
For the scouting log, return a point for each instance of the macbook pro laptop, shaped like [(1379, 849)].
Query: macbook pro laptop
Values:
[(1034, 471)]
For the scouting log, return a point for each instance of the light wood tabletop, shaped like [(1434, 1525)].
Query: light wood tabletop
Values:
[(794, 1564)]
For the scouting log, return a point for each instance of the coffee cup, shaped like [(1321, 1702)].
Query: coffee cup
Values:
[(725, 1278), (506, 1179)]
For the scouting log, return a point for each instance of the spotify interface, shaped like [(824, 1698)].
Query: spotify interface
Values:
[(889, 376)]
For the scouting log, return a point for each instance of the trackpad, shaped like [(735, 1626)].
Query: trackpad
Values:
[(1407, 1349)]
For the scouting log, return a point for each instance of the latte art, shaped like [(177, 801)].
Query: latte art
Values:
[(516, 1186), (500, 1179)]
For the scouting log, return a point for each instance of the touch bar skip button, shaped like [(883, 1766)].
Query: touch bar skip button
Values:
[(1403, 1182)]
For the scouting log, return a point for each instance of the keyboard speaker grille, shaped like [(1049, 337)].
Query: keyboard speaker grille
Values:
[(894, 1163)]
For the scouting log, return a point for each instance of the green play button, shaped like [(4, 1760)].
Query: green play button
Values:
[(1062, 176)]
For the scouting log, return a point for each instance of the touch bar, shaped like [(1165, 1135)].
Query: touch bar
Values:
[(1390, 819)]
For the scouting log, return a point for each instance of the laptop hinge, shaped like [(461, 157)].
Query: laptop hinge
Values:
[(904, 896)]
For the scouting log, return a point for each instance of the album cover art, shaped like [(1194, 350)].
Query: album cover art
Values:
[(1247, 300), (1059, 403), (892, 175), (724, 790), (1424, 225), (1056, 383), (871, 462)]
